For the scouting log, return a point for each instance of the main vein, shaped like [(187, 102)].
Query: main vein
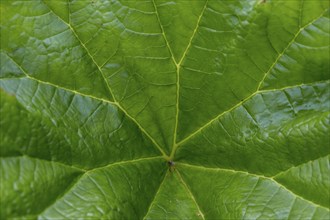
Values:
[(178, 66)]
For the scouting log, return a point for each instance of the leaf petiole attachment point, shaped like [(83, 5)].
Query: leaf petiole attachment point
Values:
[(171, 165)]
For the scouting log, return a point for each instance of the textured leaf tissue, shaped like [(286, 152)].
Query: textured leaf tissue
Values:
[(157, 109)]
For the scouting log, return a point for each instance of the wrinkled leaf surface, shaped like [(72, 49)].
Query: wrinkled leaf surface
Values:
[(98, 95)]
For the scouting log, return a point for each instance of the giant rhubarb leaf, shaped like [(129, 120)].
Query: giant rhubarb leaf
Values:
[(157, 109)]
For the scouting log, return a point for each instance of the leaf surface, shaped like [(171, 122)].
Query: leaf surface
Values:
[(154, 109)]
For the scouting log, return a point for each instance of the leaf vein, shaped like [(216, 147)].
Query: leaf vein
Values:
[(287, 47), (152, 202), (190, 193), (251, 174), (82, 44), (243, 101), (298, 165), (178, 66)]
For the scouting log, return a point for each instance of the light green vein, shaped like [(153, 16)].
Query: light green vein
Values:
[(243, 101), (74, 183), (194, 33), (152, 202), (47, 161), (124, 162), (82, 44), (250, 174), (287, 47), (71, 186), (296, 166), (190, 194), (163, 32), (178, 66)]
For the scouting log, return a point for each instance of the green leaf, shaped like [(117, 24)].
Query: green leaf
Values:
[(154, 109)]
